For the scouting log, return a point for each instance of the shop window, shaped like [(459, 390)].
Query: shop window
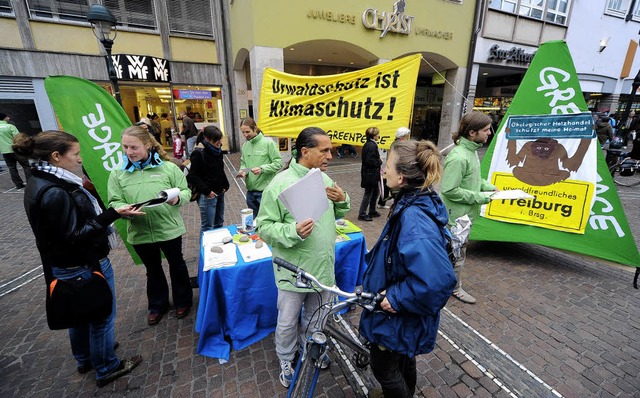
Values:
[(133, 14), (190, 16), (5, 7), (68, 10), (23, 114)]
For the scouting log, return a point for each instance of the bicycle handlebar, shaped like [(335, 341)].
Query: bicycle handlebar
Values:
[(305, 280)]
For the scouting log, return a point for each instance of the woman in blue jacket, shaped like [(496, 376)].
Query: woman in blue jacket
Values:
[(410, 266)]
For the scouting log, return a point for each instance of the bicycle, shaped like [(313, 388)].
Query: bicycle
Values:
[(310, 362), (624, 170)]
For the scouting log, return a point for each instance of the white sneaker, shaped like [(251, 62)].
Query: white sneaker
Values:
[(286, 373), (463, 296)]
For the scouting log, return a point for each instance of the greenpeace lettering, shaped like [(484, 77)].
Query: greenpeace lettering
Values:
[(550, 83), (601, 221), (106, 145)]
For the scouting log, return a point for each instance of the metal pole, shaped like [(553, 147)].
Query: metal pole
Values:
[(111, 70), (627, 109)]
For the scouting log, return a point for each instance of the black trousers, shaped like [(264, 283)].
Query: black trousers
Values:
[(395, 372), (12, 160), (157, 287), (369, 200)]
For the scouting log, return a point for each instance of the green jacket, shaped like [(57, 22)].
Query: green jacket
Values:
[(160, 223), (260, 152), (7, 132), (462, 188), (277, 227)]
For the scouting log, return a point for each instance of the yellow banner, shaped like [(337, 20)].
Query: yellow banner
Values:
[(343, 105), (563, 206)]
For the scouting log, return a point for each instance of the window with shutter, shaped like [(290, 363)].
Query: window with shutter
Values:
[(133, 14), (68, 10), (190, 16), (5, 7)]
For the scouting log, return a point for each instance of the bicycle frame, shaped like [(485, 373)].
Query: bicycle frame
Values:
[(309, 364)]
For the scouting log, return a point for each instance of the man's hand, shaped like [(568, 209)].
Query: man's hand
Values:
[(305, 228), (335, 193), (256, 170)]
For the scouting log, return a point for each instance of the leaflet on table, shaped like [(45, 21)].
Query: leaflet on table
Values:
[(306, 198), (250, 252), (216, 253), (346, 227), (163, 196), (511, 194)]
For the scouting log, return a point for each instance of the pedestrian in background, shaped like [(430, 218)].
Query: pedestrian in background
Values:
[(410, 266), (208, 176), (189, 131), (7, 133), (146, 171), (259, 162), (74, 237), (346, 147), (309, 244), (463, 190), (370, 175)]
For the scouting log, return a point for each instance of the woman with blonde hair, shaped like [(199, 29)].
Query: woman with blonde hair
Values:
[(145, 172), (410, 266)]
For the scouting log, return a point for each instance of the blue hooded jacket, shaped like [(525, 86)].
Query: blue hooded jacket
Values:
[(410, 261)]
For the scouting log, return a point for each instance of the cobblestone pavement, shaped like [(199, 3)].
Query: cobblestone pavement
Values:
[(547, 323)]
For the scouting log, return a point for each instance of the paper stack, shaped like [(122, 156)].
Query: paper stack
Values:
[(214, 258), (306, 198)]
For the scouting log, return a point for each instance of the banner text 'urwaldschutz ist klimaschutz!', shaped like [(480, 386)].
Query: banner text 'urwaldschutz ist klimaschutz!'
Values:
[(343, 105)]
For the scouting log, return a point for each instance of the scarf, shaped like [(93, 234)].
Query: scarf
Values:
[(71, 178), (216, 151), (153, 160)]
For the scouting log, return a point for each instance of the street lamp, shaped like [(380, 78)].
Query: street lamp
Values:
[(104, 28), (627, 109)]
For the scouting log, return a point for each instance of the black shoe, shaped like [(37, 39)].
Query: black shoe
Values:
[(194, 282), (88, 368), (374, 214), (20, 186), (126, 366), (365, 218)]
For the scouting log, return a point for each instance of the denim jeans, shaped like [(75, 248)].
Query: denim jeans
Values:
[(211, 212), (253, 201), (92, 344), (157, 286), (191, 143)]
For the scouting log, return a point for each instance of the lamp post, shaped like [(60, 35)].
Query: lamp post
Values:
[(104, 28)]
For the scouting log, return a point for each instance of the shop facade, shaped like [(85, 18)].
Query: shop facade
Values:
[(168, 58), (336, 37)]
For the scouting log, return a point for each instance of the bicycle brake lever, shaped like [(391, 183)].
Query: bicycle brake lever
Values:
[(302, 282)]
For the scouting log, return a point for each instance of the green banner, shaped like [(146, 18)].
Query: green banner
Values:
[(93, 116), (551, 87)]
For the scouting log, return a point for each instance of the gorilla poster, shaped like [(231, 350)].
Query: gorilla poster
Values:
[(545, 146)]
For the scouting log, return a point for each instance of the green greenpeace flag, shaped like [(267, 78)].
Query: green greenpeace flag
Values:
[(546, 147), (93, 116)]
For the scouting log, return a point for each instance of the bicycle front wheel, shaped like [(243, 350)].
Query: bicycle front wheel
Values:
[(305, 379), (624, 180)]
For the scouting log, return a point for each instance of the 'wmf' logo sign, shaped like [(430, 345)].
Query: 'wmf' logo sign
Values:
[(141, 68)]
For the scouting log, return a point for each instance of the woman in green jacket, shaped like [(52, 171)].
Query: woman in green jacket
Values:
[(145, 172)]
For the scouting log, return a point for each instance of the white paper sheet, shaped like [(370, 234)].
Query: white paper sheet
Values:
[(511, 194), (227, 258), (306, 198), (163, 196), (249, 252)]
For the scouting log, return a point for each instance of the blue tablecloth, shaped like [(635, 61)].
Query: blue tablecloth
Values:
[(237, 304)]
